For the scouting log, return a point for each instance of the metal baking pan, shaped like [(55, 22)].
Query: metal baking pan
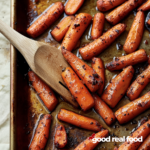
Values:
[(26, 107)]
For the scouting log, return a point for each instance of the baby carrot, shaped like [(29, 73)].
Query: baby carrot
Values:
[(45, 20), (41, 134), (139, 84), (43, 90), (98, 25), (142, 131), (88, 75), (61, 29), (103, 110), (79, 120), (77, 89), (121, 11), (133, 109), (145, 6), (75, 31), (118, 87), (73, 6), (105, 5), (100, 44), (135, 34), (98, 66), (146, 144), (60, 137), (88, 144), (130, 59)]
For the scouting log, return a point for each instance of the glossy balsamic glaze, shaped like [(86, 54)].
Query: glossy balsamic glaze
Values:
[(29, 107)]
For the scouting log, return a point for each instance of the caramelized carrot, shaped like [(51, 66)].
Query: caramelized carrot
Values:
[(75, 31), (73, 6), (103, 110), (41, 134), (100, 44), (98, 66), (135, 34), (130, 59), (146, 144), (105, 5), (88, 144), (133, 109), (142, 131), (121, 11), (43, 90), (45, 20), (98, 25), (79, 120), (77, 89), (60, 137), (145, 6), (139, 84), (61, 29), (118, 87), (84, 71)]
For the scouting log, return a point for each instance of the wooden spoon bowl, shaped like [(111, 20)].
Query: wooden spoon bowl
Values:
[(45, 60)]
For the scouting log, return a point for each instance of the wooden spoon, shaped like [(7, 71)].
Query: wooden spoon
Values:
[(46, 61)]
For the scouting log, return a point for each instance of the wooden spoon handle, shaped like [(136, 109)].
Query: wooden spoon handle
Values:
[(26, 46)]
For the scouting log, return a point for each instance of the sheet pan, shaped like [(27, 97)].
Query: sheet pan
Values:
[(26, 107)]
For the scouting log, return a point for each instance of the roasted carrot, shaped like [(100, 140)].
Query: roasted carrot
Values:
[(133, 109), (146, 144), (98, 25), (103, 110), (61, 29), (88, 144), (100, 44), (121, 11), (118, 87), (145, 6), (60, 137), (148, 22), (88, 75), (79, 120), (77, 89), (139, 84), (45, 20), (73, 6), (105, 5), (75, 31), (98, 66), (43, 90), (135, 34), (130, 59), (42, 133), (142, 131)]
